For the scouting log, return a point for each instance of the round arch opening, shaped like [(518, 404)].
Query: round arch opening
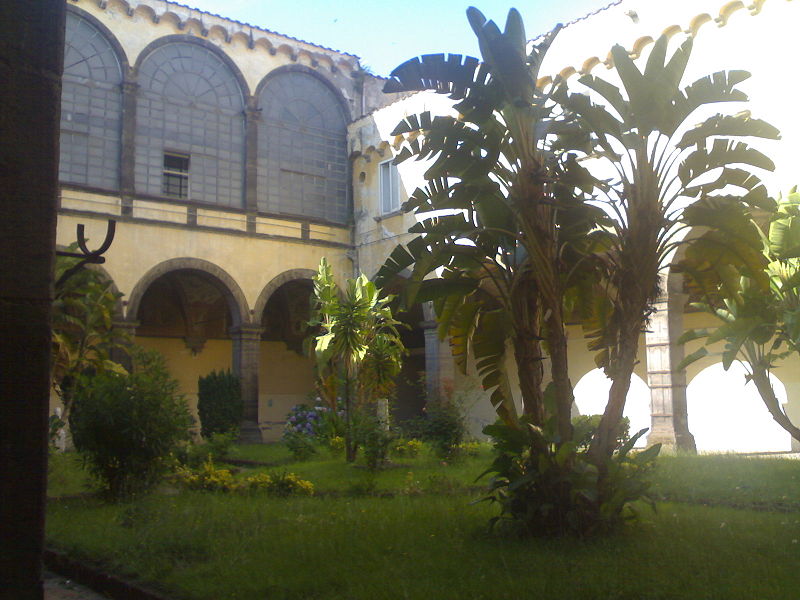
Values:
[(726, 413), (591, 397)]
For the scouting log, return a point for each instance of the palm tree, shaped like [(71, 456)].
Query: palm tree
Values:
[(660, 166)]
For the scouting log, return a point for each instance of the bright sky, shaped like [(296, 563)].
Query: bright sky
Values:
[(385, 34)]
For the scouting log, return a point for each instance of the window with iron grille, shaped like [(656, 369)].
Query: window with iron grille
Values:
[(176, 175)]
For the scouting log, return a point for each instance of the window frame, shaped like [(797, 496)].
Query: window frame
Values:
[(388, 197), (173, 174)]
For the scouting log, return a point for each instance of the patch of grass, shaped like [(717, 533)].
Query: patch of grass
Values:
[(66, 475), (215, 546), (266, 453), (730, 480)]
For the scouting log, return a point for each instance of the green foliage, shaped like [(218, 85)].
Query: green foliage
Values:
[(748, 280), (406, 448), (219, 403), (209, 478), (376, 440), (301, 445), (83, 334), (126, 426), (216, 448), (544, 488), (443, 427), (357, 345)]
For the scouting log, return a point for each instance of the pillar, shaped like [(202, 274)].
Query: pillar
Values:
[(252, 117), (127, 161), (670, 425), (246, 347), (31, 61), (439, 368)]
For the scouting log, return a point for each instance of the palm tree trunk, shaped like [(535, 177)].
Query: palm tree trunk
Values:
[(761, 379), (602, 446), (559, 369), (528, 356)]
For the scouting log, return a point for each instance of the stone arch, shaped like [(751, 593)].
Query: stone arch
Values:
[(303, 166), (274, 284), (189, 39), (308, 71), (190, 121), (234, 296), (726, 413), (122, 56), (591, 396), (91, 103)]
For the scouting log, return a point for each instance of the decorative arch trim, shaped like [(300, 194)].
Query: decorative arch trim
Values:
[(190, 39), (337, 93), (274, 284), (122, 56), (237, 303)]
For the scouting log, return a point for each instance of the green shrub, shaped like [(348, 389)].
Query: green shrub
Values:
[(215, 449), (219, 403), (586, 425), (406, 448), (301, 445), (443, 427), (207, 478), (376, 440), (126, 426), (287, 484), (544, 488)]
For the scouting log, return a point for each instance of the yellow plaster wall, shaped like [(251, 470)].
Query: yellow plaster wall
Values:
[(252, 262), (285, 379), (186, 367)]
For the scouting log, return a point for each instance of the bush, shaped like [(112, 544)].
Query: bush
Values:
[(443, 427), (126, 426), (406, 448), (547, 489), (209, 478), (376, 441), (301, 445), (319, 423), (215, 449), (219, 403)]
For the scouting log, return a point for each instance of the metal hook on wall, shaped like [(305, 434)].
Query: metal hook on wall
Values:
[(87, 256)]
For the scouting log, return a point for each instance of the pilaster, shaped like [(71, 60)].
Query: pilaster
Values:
[(670, 425), (252, 117), (127, 162), (246, 347)]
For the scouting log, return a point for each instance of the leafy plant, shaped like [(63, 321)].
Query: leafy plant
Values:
[(545, 488), (301, 445), (406, 448), (126, 426), (84, 337), (748, 280), (219, 403), (376, 439), (358, 344), (659, 165)]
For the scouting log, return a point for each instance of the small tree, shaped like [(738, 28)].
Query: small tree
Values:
[(357, 345), (125, 426), (219, 403)]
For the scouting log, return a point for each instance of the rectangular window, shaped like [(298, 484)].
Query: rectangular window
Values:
[(176, 175), (390, 187)]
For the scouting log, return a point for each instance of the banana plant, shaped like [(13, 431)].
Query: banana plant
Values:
[(504, 229), (659, 164), (356, 342), (749, 281)]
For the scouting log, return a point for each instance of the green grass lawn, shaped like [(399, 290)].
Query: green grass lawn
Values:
[(434, 544)]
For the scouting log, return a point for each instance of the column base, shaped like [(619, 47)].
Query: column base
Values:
[(673, 442), (249, 433)]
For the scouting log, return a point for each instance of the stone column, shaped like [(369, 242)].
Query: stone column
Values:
[(252, 117), (670, 425), (31, 61), (246, 346), (127, 159), (439, 370)]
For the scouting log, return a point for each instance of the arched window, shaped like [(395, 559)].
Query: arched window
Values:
[(190, 126), (302, 149), (91, 108)]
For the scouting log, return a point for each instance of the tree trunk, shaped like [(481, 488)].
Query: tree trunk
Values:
[(761, 379), (528, 356), (349, 442), (559, 369), (602, 446)]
